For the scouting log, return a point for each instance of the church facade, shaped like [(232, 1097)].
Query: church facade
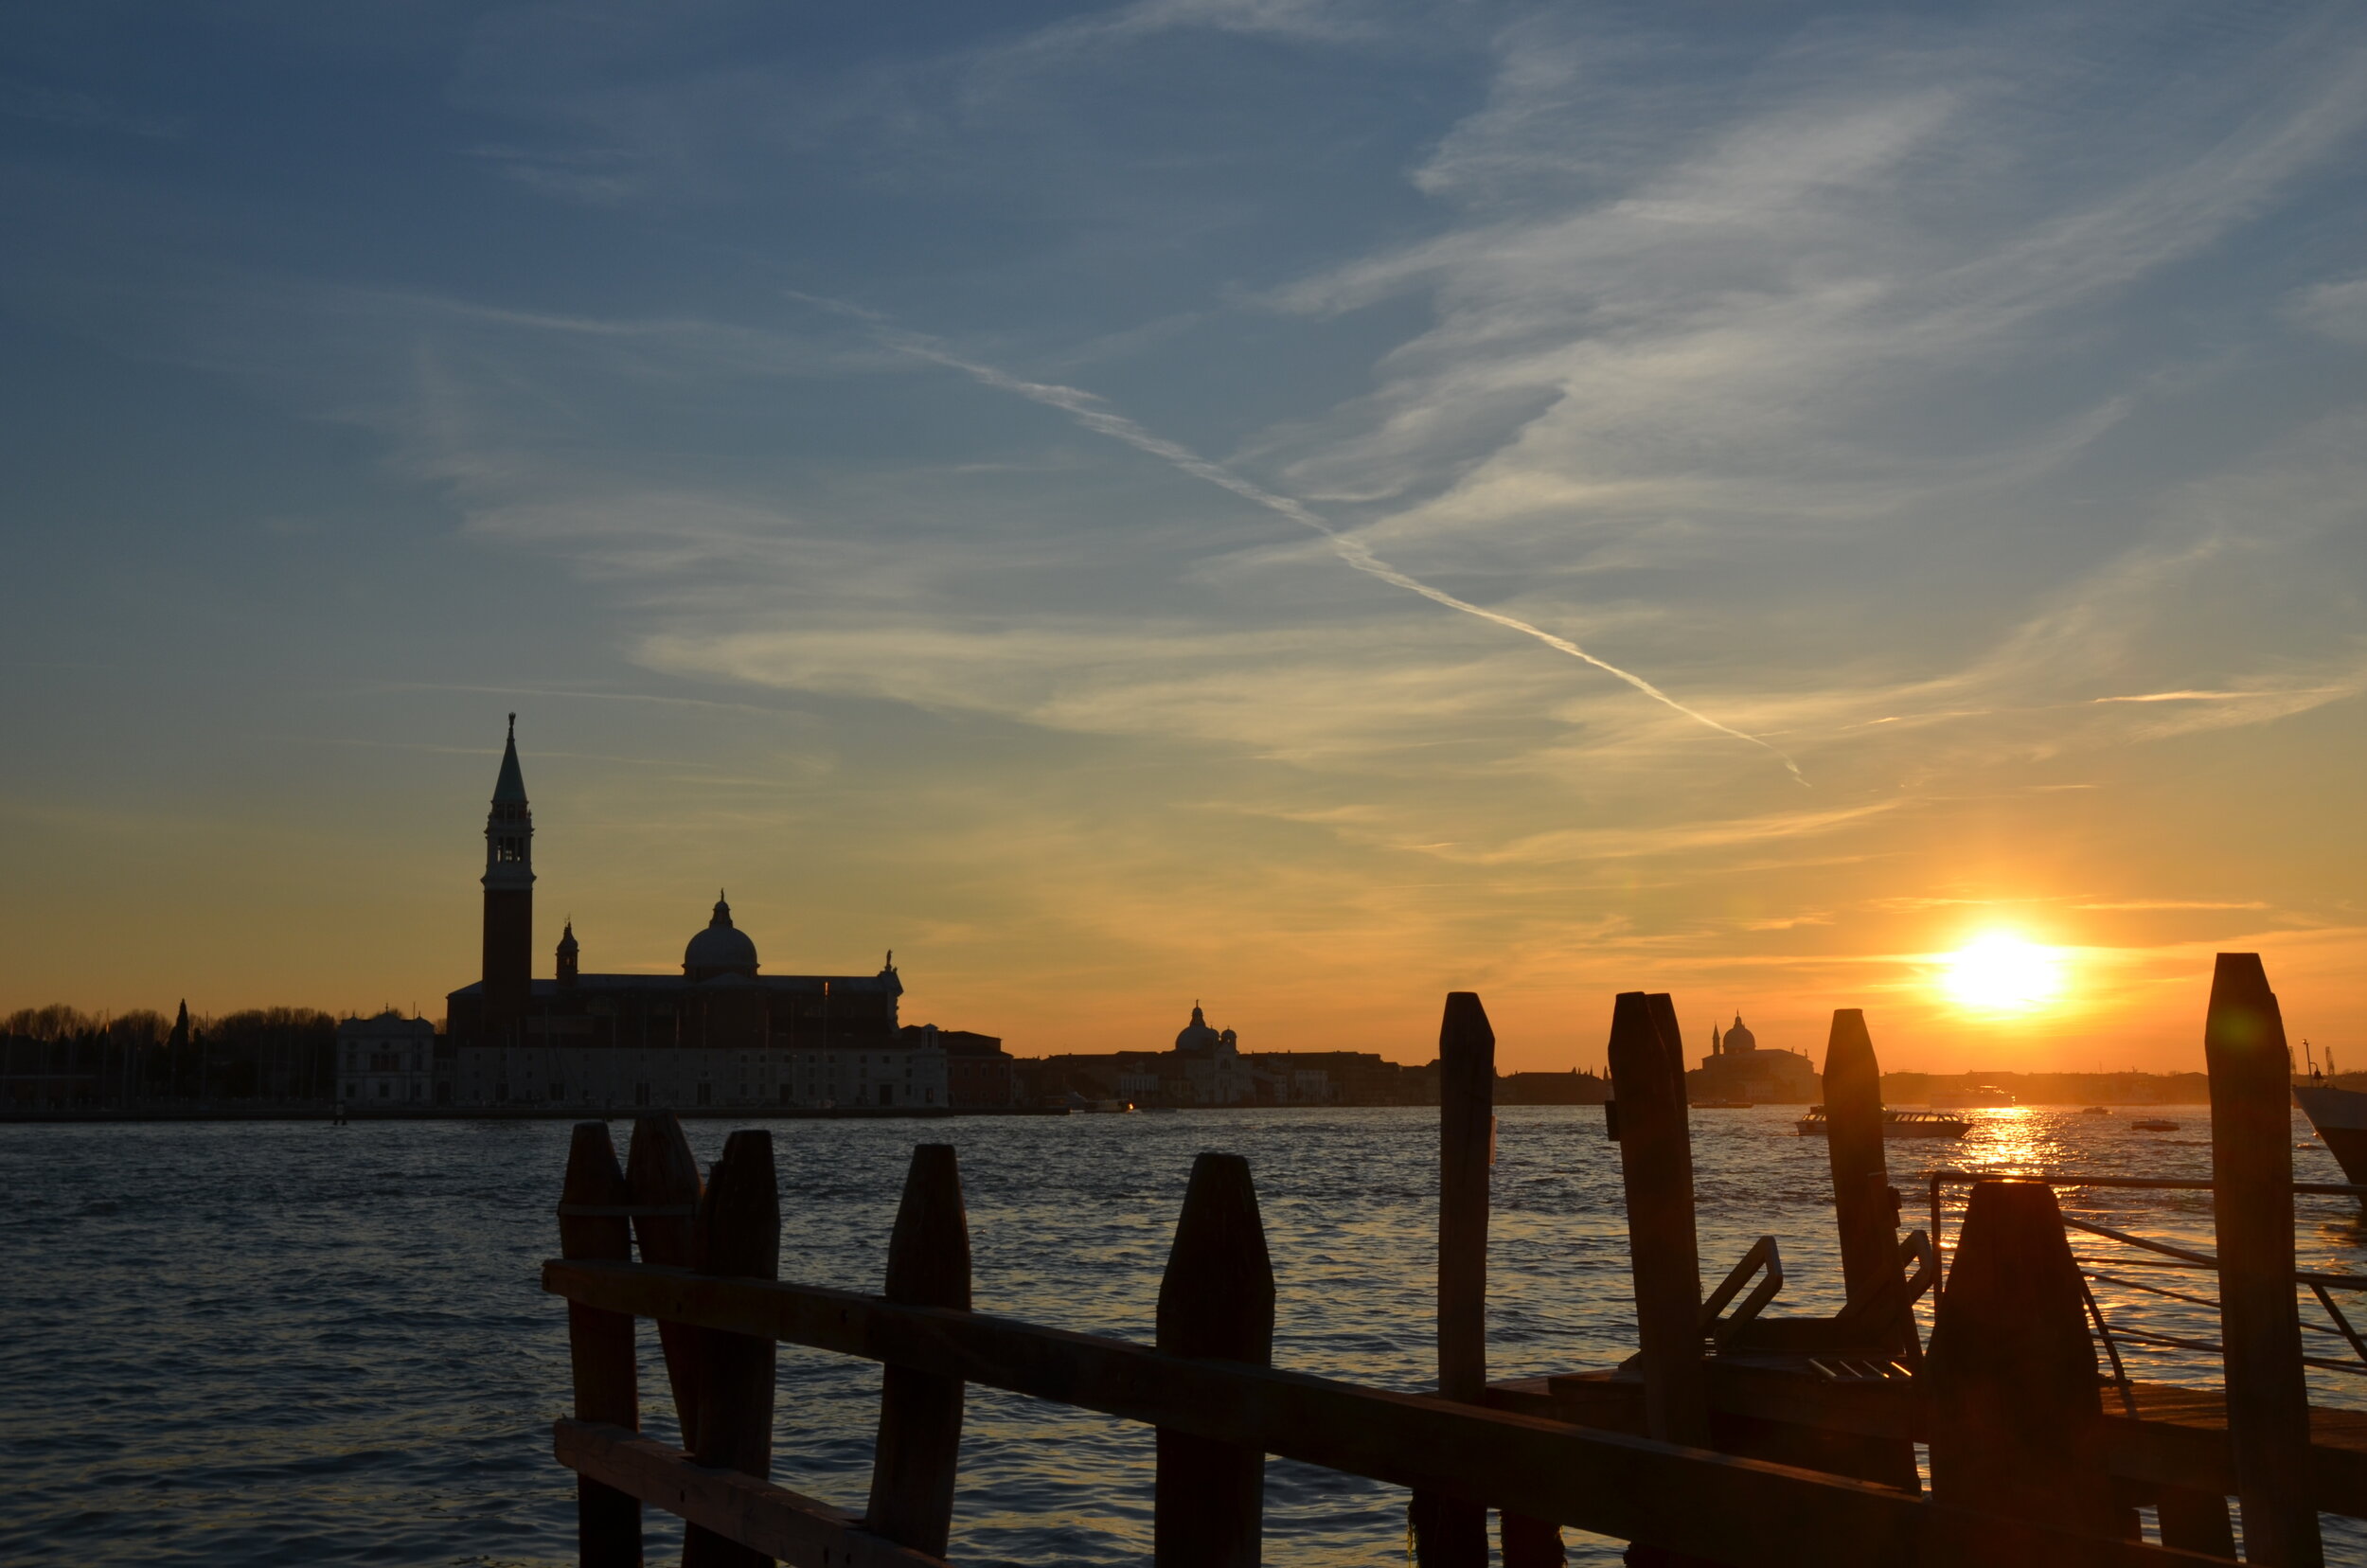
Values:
[(1738, 1068), (721, 1033), (1205, 1068)]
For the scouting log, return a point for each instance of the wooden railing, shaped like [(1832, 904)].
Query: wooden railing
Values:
[(707, 1276)]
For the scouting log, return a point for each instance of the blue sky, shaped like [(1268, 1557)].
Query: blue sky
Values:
[(1303, 505)]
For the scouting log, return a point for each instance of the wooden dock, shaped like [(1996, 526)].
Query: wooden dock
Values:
[(1731, 1437)]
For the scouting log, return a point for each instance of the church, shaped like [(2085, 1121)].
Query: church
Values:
[(1739, 1068), (721, 1034)]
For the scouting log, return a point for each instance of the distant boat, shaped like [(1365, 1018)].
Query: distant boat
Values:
[(2154, 1124), (2097, 1111), (1721, 1105), (1981, 1096), (1896, 1124), (2340, 1118)]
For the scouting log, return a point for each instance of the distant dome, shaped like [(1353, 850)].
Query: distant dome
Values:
[(1739, 1038), (721, 949), (1197, 1037)]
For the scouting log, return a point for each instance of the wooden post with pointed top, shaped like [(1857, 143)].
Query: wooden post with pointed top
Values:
[(1447, 1531), (1864, 1208), (1656, 1160), (2015, 1410), (599, 1345), (662, 1174), (1214, 1300), (2251, 1174), (1673, 1046), (920, 1413), (739, 1238)]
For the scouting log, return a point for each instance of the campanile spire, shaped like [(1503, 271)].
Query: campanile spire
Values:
[(508, 901)]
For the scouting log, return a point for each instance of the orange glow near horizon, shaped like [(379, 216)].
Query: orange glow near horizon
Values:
[(2002, 972)]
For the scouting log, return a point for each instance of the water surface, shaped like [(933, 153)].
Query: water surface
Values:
[(288, 1343)]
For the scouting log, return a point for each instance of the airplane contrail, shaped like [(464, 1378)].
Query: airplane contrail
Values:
[(1096, 415)]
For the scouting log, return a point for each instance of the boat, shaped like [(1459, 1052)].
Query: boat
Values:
[(2340, 1118), (1721, 1105), (2153, 1124), (1981, 1096), (2097, 1111), (1896, 1124)]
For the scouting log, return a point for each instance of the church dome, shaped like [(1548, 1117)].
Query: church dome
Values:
[(1739, 1038), (1196, 1036), (721, 949)]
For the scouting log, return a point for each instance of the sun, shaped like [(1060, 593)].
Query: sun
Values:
[(2004, 973)]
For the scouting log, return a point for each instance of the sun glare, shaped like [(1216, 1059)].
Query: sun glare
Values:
[(2000, 973)]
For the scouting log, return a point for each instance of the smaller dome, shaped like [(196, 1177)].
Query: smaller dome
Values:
[(721, 949), (1197, 1036)]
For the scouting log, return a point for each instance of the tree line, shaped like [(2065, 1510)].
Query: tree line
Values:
[(60, 1055)]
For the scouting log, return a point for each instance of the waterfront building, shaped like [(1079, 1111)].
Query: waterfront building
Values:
[(386, 1062), (1739, 1068), (1205, 1067), (978, 1071), (723, 1033)]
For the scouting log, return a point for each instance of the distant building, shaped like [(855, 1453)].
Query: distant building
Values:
[(977, 1069), (386, 1062), (1570, 1088), (720, 1034), (1207, 1067), (1738, 1069)]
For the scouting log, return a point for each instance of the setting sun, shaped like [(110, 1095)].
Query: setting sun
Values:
[(2000, 973)]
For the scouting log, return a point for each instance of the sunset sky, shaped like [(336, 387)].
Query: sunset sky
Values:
[(1296, 506)]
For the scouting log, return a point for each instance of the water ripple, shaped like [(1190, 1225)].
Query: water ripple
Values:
[(294, 1344)]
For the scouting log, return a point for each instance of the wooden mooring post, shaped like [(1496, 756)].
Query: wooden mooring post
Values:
[(1214, 1300), (1450, 1532), (2014, 1411), (2251, 1174), (1453, 1532), (739, 1238), (920, 1413), (663, 1177), (1656, 1160), (1866, 1208), (599, 1345)]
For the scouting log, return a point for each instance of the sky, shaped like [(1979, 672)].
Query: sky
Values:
[(1296, 506)]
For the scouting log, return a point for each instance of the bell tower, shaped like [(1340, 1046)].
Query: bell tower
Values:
[(509, 902)]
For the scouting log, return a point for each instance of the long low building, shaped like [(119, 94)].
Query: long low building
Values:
[(1207, 1067)]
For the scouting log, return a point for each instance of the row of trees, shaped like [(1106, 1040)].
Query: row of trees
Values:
[(61, 1055)]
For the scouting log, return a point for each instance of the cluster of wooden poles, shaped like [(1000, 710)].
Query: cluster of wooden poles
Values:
[(2008, 1386), (2006, 1397)]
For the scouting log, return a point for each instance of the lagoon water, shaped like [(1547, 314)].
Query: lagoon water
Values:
[(258, 1344)]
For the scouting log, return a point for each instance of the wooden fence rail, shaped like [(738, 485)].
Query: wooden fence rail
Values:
[(1218, 1407)]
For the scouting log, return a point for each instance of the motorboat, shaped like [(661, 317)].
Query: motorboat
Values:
[(2340, 1118), (1896, 1124), (2153, 1124)]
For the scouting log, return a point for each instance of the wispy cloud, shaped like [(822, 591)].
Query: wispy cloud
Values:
[(1888, 394), (1096, 415)]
